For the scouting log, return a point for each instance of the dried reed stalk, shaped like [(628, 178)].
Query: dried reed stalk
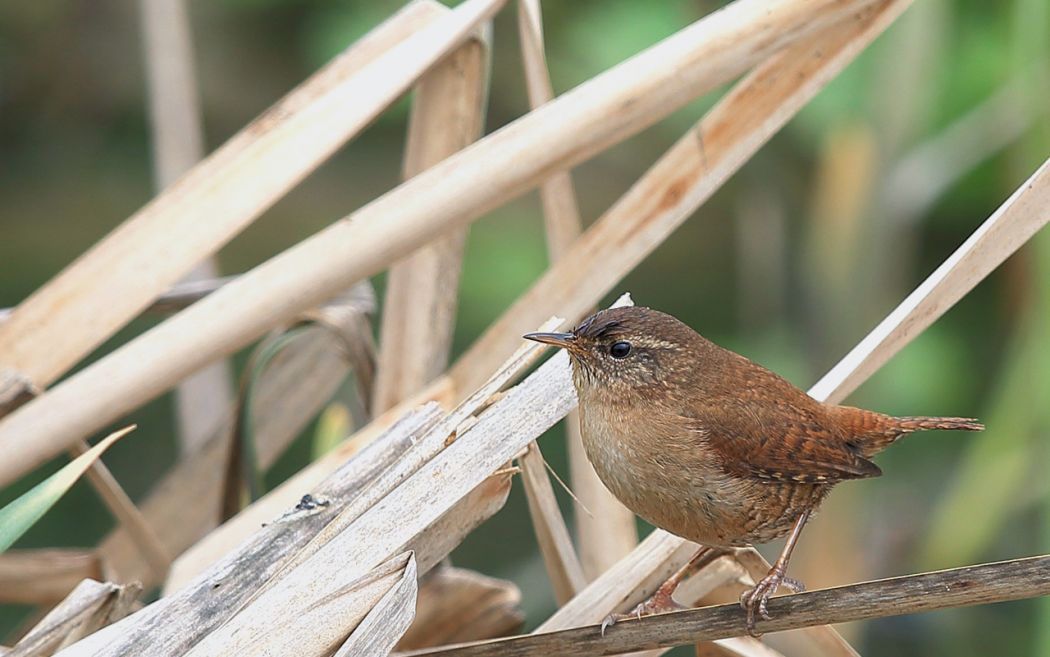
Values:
[(396, 520), (118, 277), (743, 646), (448, 113), (176, 622), (605, 527), (959, 587), (560, 134), (178, 144), (89, 606), (44, 576)]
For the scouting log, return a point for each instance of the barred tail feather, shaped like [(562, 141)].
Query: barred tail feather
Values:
[(910, 424)]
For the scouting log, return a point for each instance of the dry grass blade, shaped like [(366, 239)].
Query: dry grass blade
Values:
[(973, 585), (608, 531), (995, 240), (419, 314), (113, 281), (89, 606), (456, 605), (178, 144), (566, 131), (44, 576)]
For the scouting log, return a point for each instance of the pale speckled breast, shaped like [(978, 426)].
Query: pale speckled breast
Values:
[(668, 481)]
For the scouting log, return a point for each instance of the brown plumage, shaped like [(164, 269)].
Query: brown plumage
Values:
[(708, 445)]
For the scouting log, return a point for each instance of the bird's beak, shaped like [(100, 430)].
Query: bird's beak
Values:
[(564, 340)]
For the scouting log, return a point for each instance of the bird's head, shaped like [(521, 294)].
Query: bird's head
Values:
[(627, 350)]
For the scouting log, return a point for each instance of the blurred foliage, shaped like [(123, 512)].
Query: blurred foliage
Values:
[(75, 162)]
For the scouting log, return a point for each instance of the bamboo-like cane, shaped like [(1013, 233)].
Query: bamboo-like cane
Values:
[(448, 113), (201, 401), (120, 275), (605, 528)]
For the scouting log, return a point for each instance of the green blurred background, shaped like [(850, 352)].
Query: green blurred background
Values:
[(801, 253)]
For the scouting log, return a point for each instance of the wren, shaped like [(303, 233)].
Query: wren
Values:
[(707, 445)]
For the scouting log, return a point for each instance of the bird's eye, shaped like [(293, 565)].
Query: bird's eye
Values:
[(620, 349)]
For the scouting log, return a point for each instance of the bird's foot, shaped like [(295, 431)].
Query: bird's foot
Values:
[(659, 603), (757, 599)]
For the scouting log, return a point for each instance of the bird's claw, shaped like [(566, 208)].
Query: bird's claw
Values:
[(757, 598), (658, 603)]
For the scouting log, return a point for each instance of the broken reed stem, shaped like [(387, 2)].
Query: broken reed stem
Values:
[(564, 132), (959, 587)]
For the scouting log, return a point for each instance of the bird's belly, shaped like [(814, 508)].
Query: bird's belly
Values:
[(691, 497)]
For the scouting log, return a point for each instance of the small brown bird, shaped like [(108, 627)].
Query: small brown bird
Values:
[(706, 444)]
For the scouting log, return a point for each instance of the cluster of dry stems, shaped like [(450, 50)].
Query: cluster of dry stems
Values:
[(356, 567)]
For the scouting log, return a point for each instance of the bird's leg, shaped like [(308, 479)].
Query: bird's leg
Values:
[(757, 598), (661, 601)]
